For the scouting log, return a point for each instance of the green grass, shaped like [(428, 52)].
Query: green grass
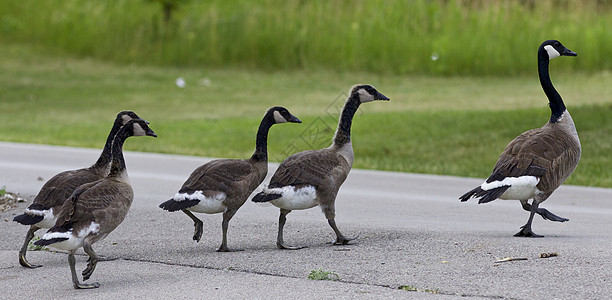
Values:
[(323, 275), (32, 247), (468, 143), (482, 37), (415, 289), (437, 125)]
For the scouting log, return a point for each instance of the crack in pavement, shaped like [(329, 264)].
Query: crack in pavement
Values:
[(228, 269), (437, 292)]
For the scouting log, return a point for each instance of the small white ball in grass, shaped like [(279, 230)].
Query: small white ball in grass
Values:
[(180, 82)]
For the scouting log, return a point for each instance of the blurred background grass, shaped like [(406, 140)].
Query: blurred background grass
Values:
[(449, 37), (461, 76)]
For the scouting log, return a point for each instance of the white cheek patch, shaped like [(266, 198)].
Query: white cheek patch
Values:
[(552, 52), (293, 199), (364, 96), (138, 131), (278, 118), (521, 188), (125, 119)]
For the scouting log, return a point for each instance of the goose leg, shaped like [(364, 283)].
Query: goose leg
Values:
[(93, 261), (197, 223), (75, 279), (340, 238), (281, 223), (546, 215), (526, 229), (227, 216), (22, 252)]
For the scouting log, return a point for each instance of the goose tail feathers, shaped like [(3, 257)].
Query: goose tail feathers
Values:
[(26, 219), (484, 195), (263, 197), (173, 205)]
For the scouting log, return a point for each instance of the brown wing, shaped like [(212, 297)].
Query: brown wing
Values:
[(224, 175), (521, 158), (537, 152), (313, 167), (105, 201), (57, 189)]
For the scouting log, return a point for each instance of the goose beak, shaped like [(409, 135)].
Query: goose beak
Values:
[(568, 52), (294, 119), (151, 133), (380, 96)]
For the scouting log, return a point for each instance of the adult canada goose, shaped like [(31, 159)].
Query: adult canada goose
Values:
[(313, 177), (43, 211), (224, 185), (95, 209), (538, 161)]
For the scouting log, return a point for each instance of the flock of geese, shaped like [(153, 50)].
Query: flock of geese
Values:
[(81, 207)]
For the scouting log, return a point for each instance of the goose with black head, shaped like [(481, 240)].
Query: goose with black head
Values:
[(312, 178), (538, 161), (95, 209), (43, 211), (223, 185)]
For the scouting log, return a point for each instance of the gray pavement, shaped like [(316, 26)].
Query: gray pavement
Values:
[(412, 231)]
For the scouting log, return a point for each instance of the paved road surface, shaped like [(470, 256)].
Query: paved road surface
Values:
[(412, 231)]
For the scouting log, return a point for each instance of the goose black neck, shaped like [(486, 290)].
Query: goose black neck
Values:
[(106, 156), (343, 133), (261, 142), (118, 164), (557, 107)]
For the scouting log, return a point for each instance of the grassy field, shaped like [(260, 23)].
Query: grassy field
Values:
[(435, 37), (439, 125)]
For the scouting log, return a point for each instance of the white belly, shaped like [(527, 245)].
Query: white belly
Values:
[(208, 206), (521, 188), (48, 220), (519, 193), (75, 240), (293, 199)]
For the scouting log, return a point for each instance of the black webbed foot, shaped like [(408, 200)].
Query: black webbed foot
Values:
[(24, 262), (527, 232), (547, 215), (282, 245), (342, 240)]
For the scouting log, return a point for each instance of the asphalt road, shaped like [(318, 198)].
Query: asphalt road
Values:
[(413, 231)]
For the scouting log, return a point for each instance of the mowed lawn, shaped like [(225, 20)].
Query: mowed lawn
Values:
[(438, 125)]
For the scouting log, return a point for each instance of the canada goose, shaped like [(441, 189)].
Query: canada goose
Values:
[(538, 161), (42, 213), (95, 209), (224, 185), (313, 177)]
